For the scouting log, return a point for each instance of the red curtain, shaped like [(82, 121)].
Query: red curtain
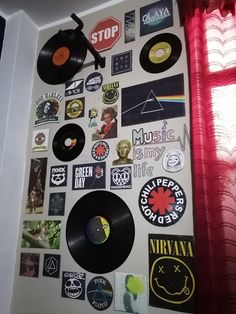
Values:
[(211, 46)]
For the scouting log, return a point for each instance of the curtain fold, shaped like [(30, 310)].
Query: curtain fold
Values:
[(213, 129)]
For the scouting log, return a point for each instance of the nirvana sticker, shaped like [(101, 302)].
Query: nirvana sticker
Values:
[(173, 160), (121, 63), (29, 265), (41, 234), (100, 150), (36, 188), (51, 265), (156, 16), (129, 26), (110, 93), (58, 175), (99, 293), (89, 176), (74, 87), (40, 140), (162, 201), (121, 178), (156, 100), (57, 204), (131, 293), (47, 108), (74, 108), (73, 285), (93, 81), (171, 272)]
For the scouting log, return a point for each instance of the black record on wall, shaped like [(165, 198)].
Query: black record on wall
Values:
[(61, 57)]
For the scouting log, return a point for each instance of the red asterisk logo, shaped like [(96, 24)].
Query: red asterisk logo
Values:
[(100, 150), (161, 200)]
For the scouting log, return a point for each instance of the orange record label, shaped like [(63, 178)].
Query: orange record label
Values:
[(61, 56)]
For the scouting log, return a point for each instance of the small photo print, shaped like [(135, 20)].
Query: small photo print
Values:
[(41, 234), (29, 264), (57, 204)]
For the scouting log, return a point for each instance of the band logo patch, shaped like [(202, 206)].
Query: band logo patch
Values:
[(171, 272), (58, 176), (74, 108), (74, 87), (51, 265), (93, 82), (121, 63), (89, 176), (100, 293), (162, 201), (100, 150), (73, 285), (121, 178), (110, 93)]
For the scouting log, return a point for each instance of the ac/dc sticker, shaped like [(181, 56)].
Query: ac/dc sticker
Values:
[(58, 175), (47, 108), (51, 265), (73, 285), (99, 293), (74, 108), (89, 176), (171, 272), (100, 150), (121, 178), (162, 201), (110, 93), (93, 81)]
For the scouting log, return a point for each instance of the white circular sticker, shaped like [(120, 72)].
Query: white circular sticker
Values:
[(173, 160)]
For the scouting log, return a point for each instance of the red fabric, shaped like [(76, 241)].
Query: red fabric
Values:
[(214, 176), (187, 7)]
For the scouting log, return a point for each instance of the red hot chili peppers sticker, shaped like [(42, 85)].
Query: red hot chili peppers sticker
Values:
[(162, 201)]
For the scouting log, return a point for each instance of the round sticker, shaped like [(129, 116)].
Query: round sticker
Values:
[(94, 81), (162, 201), (100, 150), (100, 293), (173, 160)]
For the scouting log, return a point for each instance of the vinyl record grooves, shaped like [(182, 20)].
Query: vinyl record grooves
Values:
[(61, 57), (68, 142), (100, 232), (160, 53)]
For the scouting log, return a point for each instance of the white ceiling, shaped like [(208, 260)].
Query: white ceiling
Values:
[(43, 12)]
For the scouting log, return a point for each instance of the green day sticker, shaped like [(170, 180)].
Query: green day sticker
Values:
[(162, 201), (171, 272)]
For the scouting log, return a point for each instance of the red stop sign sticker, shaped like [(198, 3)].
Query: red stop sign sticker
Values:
[(105, 34)]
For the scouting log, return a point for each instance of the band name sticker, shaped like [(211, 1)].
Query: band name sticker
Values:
[(121, 178), (36, 187), (156, 100), (58, 176), (73, 285), (40, 140), (110, 93), (47, 108), (51, 265), (89, 176), (100, 150), (129, 26), (99, 293), (93, 82), (74, 87), (171, 272), (162, 201), (156, 16), (74, 108), (121, 62)]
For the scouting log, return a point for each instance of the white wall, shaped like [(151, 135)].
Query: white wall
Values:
[(16, 73)]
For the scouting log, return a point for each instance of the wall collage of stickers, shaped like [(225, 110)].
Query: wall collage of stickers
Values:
[(107, 205)]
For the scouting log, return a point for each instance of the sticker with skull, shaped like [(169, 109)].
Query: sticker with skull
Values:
[(73, 285)]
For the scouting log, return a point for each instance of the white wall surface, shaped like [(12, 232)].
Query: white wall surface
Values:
[(16, 72)]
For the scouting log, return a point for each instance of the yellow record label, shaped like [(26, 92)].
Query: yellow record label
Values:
[(160, 52), (74, 108)]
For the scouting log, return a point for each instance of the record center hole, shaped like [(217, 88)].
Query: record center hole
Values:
[(68, 142), (160, 53)]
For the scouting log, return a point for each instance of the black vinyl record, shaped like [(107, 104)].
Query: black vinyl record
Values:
[(100, 232), (160, 53), (61, 57), (68, 142)]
